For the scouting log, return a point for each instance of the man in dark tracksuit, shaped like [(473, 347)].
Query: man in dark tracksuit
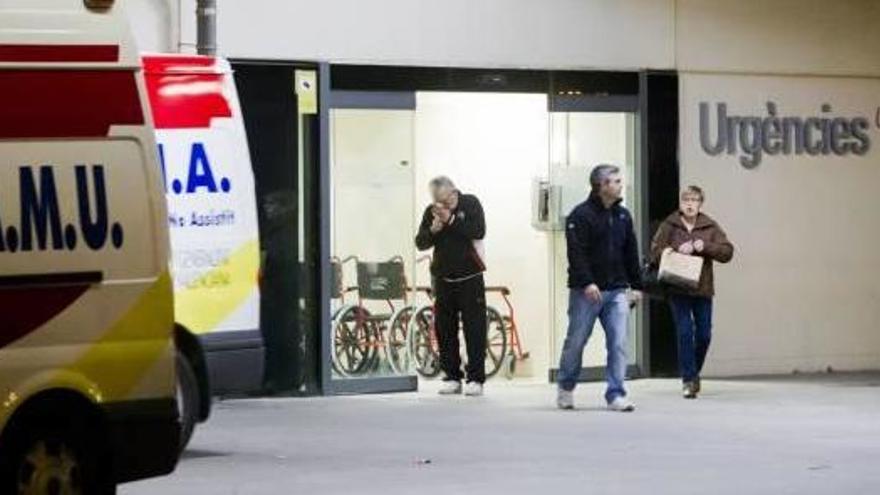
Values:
[(454, 226), (603, 265)]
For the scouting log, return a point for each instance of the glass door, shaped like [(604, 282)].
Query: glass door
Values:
[(582, 136), (372, 232), (279, 106)]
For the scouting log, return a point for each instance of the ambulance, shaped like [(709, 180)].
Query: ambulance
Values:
[(87, 355), (212, 219)]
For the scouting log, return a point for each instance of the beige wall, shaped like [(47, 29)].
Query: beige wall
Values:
[(162, 25), (793, 298), (767, 36), (779, 36), (802, 291), (485, 33)]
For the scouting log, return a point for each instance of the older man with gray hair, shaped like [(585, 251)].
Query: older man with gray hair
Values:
[(603, 267), (454, 226)]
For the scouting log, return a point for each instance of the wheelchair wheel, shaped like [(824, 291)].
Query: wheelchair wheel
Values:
[(353, 351), (496, 342), (510, 359), (396, 345), (374, 341), (422, 343)]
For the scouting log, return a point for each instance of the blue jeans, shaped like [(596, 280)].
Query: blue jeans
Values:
[(693, 320), (612, 312)]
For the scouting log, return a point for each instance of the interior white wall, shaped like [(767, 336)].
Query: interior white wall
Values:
[(802, 292), (372, 183), (492, 145)]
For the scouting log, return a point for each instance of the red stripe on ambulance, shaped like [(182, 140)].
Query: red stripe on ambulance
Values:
[(25, 310), (59, 53), (67, 103), (185, 92)]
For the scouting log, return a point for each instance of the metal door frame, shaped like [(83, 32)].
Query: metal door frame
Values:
[(336, 99), (630, 104)]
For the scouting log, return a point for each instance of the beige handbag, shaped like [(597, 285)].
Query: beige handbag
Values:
[(680, 269)]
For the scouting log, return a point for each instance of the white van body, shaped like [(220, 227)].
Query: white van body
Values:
[(212, 214)]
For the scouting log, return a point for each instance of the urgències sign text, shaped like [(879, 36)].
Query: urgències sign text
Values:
[(751, 137)]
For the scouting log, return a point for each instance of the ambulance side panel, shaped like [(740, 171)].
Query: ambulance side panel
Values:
[(85, 291)]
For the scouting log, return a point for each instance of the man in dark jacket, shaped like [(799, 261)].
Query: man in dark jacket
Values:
[(603, 265), (454, 226)]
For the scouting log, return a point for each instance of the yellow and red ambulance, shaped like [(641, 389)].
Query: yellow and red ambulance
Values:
[(212, 218), (87, 382)]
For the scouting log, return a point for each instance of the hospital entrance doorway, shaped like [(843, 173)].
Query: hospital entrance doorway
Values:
[(527, 156)]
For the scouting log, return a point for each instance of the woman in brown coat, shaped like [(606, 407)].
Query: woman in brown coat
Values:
[(689, 231)]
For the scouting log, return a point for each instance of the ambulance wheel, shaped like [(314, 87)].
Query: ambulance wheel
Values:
[(188, 399), (46, 455)]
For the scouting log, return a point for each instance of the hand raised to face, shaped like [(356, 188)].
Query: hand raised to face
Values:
[(442, 212), (436, 225)]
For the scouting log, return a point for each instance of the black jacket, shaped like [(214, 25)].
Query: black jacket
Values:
[(454, 253), (602, 247)]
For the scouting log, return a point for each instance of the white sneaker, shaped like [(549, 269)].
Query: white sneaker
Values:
[(450, 387), (621, 404), (565, 399), (473, 389)]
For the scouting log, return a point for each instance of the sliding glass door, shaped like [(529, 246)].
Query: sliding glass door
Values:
[(371, 237), (585, 132)]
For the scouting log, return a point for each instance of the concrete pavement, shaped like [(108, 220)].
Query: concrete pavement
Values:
[(794, 435)]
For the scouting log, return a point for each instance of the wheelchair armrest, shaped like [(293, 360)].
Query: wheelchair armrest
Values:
[(505, 291)]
